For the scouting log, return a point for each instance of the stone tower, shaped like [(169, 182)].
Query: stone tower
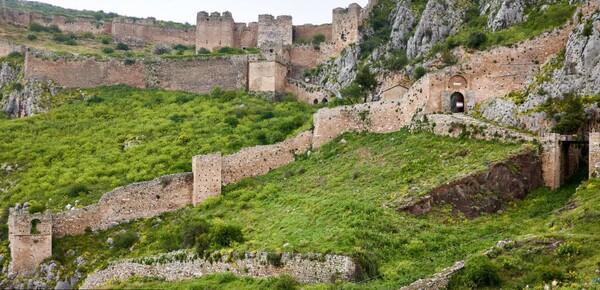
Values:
[(345, 26), (30, 238), (274, 33), (214, 30)]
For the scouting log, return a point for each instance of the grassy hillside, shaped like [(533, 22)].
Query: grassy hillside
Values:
[(337, 200), (120, 135)]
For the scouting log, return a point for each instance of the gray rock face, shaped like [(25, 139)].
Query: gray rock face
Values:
[(340, 72), (404, 20), (22, 97), (441, 18), (503, 13), (579, 73)]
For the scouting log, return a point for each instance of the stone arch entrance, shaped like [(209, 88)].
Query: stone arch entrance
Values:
[(457, 103)]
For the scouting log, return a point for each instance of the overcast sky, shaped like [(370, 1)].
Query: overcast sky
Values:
[(302, 11)]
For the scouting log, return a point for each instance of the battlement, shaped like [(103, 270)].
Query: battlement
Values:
[(128, 20), (274, 32), (345, 25), (214, 16)]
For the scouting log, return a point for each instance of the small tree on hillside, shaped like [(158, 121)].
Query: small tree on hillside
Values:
[(367, 81)]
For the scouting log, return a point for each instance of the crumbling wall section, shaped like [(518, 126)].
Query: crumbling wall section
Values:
[(132, 202), (594, 163), (307, 32), (30, 238), (306, 268), (246, 36), (274, 32), (259, 160), (345, 26)]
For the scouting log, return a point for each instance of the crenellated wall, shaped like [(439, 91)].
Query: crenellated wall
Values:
[(214, 30), (77, 25)]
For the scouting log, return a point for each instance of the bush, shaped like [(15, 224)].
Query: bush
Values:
[(180, 47), (88, 35), (105, 40), (32, 37), (60, 37), (77, 190), (225, 235), (587, 28), (476, 39), (95, 100), (230, 50), (274, 259), (36, 27), (160, 49), (54, 29), (419, 72), (122, 46), (285, 282), (572, 118), (125, 240), (108, 50), (129, 61), (203, 50), (71, 42), (318, 39), (191, 231), (36, 207), (480, 272)]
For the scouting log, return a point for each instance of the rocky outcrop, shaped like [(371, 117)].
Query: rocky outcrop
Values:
[(21, 97), (340, 72), (577, 72), (403, 22), (503, 13), (441, 18), (485, 192)]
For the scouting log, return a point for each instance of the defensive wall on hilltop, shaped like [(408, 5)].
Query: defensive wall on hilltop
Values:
[(198, 75)]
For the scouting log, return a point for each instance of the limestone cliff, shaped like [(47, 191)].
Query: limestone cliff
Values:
[(440, 19), (578, 72), (21, 97)]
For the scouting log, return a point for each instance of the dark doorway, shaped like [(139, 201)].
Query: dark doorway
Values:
[(457, 103)]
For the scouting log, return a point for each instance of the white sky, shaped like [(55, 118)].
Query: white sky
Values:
[(302, 11)]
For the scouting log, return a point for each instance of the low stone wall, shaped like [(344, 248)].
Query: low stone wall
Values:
[(484, 192), (259, 160), (136, 201), (309, 93), (306, 268), (439, 281), (6, 48)]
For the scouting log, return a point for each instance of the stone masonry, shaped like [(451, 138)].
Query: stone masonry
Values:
[(594, 162), (30, 238), (207, 177)]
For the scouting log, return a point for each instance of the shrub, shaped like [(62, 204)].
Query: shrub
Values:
[(231, 121), (95, 100), (548, 273), (480, 272), (318, 39), (191, 231), (122, 46), (32, 37), (419, 72), (36, 207), (230, 50), (397, 62), (587, 28), (60, 37), (476, 39), (129, 61), (71, 42), (180, 47), (274, 259), (88, 35), (125, 240), (225, 235), (285, 282), (77, 190), (161, 48), (366, 265), (105, 40), (108, 50), (36, 27), (572, 118), (203, 50), (54, 29)]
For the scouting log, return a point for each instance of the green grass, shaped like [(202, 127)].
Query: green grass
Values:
[(86, 143), (340, 200)]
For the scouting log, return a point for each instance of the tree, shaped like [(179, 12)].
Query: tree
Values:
[(572, 118), (366, 80), (476, 39)]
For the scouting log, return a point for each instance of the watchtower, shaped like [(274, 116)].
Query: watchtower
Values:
[(214, 30), (30, 238)]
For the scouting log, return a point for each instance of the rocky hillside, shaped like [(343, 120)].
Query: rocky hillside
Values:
[(20, 97), (574, 73)]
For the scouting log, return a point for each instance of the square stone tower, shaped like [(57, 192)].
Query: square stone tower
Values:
[(214, 30), (30, 238), (345, 26), (274, 32)]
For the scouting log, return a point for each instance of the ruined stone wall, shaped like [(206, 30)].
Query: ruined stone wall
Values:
[(380, 117), (86, 73), (552, 160), (29, 248), (259, 160), (307, 32), (15, 17), (306, 57), (306, 268), (246, 35), (214, 30), (267, 76), (6, 48), (136, 201), (274, 32), (199, 75), (594, 163), (345, 26), (308, 93), (491, 74), (141, 32)]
